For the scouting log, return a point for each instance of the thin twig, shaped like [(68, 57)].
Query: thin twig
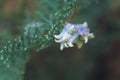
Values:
[(72, 15)]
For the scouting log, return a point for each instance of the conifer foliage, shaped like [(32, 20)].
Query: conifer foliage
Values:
[(15, 53)]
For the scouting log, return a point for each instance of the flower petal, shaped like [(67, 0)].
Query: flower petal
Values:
[(91, 35), (70, 44), (57, 36), (85, 39), (61, 46), (66, 45), (73, 38), (85, 24)]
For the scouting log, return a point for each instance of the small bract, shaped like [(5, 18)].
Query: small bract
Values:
[(73, 34)]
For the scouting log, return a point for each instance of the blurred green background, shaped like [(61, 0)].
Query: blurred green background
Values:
[(99, 59)]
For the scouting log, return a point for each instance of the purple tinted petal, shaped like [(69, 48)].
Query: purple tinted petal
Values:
[(67, 27), (80, 29), (74, 37)]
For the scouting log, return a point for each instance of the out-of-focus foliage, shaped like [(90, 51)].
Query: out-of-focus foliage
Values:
[(41, 19), (97, 60), (16, 52)]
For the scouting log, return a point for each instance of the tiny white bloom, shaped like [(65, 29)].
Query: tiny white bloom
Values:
[(71, 34)]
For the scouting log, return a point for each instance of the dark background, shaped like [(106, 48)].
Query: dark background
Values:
[(99, 59)]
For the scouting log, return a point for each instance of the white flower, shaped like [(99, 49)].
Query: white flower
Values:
[(71, 34)]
